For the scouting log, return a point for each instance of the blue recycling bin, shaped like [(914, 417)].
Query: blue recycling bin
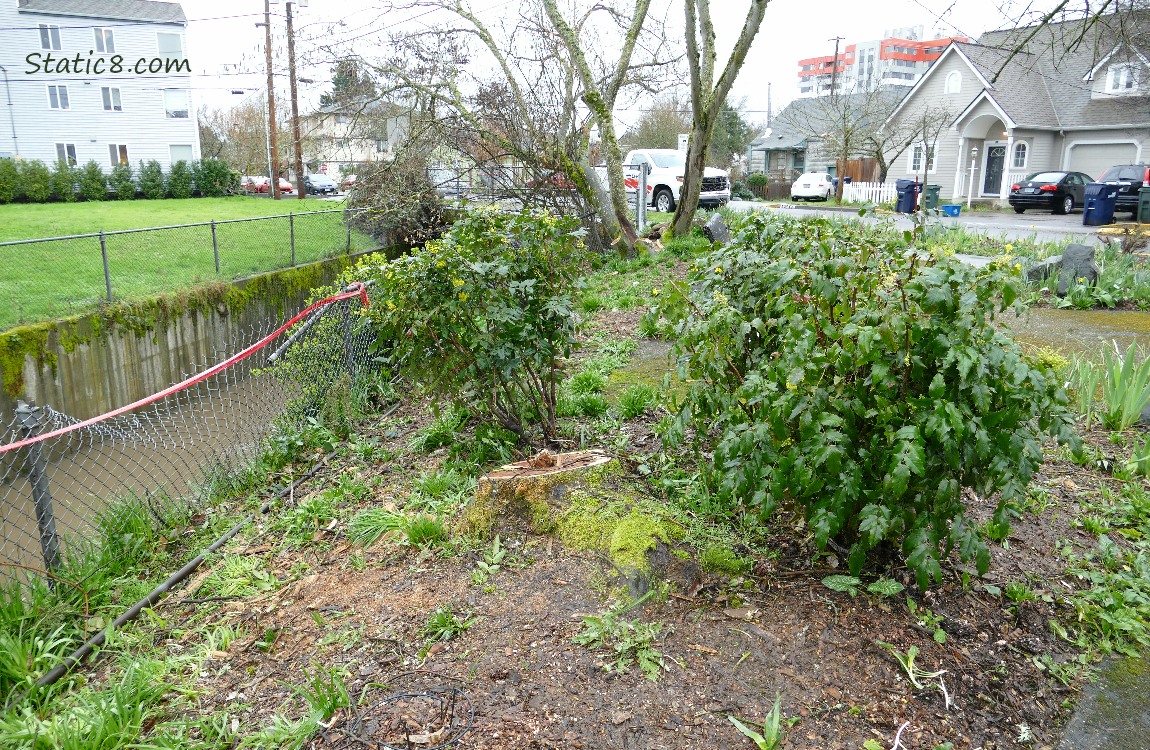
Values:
[(1101, 200), (907, 191)]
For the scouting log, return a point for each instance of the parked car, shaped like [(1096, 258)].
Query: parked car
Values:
[(552, 181), (1060, 192), (813, 185), (254, 184), (284, 186), (319, 184), (665, 168), (348, 182), (1130, 178)]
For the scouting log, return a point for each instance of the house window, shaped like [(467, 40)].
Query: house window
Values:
[(1021, 151), (176, 104), (180, 152), (118, 153), (954, 82), (380, 145), (170, 44), (58, 97), (49, 37), (66, 152), (111, 97), (105, 42), (1122, 79), (917, 153), (341, 119)]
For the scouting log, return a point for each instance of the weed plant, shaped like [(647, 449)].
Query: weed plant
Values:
[(1125, 388), (635, 400)]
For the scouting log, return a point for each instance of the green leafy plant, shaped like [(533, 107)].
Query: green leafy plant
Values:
[(1139, 462), (587, 382), (368, 525), (1125, 388), (93, 182), (485, 315), (35, 181), (927, 619), (490, 564), (122, 181), (179, 182), (630, 641), (844, 584), (324, 691), (425, 531), (635, 400), (914, 673), (10, 188), (886, 587), (444, 625), (772, 734), (830, 368), (151, 180), (1084, 378), (63, 182)]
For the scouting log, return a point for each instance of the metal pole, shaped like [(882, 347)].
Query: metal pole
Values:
[(274, 177), (291, 231), (215, 246), (11, 112), (641, 206), (29, 418), (301, 193), (107, 273), (349, 235)]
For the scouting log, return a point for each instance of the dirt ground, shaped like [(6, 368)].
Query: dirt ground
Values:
[(516, 679)]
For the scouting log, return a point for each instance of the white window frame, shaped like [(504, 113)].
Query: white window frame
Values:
[(177, 35), (111, 99), (187, 101), (62, 102), (1025, 155), (118, 159), (53, 32), (105, 40), (953, 82), (1123, 79), (191, 151), (914, 159), (69, 151)]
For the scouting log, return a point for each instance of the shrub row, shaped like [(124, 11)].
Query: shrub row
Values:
[(33, 182)]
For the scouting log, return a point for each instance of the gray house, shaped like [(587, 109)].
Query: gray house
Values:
[(1075, 97), (107, 81)]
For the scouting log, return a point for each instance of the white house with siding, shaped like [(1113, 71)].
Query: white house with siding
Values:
[(1070, 99), (102, 80)]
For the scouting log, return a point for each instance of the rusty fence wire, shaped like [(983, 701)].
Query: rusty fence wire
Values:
[(65, 483), (52, 277)]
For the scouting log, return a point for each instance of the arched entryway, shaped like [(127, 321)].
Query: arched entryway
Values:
[(990, 136)]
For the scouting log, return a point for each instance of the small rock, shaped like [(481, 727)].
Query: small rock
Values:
[(1077, 263), (1044, 269)]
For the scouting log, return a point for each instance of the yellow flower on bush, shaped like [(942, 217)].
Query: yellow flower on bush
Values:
[(463, 296), (1009, 247), (457, 283), (390, 305), (440, 264), (718, 269), (655, 292)]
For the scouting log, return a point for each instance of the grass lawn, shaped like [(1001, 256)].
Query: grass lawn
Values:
[(54, 279)]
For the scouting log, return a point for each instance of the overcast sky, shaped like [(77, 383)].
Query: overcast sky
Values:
[(226, 47)]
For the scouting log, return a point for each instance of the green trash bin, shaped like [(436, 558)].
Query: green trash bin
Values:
[(1144, 205), (930, 195)]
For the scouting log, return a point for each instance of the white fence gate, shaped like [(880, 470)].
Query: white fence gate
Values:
[(869, 192)]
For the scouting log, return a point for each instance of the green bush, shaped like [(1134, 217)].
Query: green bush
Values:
[(9, 181), (151, 180), (63, 182), (35, 181), (214, 178), (834, 371), (93, 182), (758, 179), (122, 182), (180, 180), (485, 314)]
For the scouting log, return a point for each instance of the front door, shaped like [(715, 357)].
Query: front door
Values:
[(995, 160)]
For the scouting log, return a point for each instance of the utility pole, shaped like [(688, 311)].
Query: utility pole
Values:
[(835, 65), (274, 177), (300, 189), (768, 104)]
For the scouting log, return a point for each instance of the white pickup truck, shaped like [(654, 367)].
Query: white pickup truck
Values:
[(665, 177)]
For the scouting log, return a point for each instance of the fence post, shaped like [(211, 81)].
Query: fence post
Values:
[(215, 246), (29, 419), (291, 232), (107, 273), (349, 235)]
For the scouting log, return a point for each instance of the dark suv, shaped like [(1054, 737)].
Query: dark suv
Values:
[(1129, 178)]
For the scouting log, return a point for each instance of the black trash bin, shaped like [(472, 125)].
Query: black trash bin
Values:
[(907, 200), (932, 192), (1144, 205), (1101, 200)]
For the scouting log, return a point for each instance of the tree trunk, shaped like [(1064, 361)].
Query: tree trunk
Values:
[(688, 200)]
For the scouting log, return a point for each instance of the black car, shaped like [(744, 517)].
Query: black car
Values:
[(1060, 192), (1130, 178), (318, 184)]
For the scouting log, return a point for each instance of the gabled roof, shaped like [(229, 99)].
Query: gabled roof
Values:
[(1020, 90), (120, 10), (951, 50), (808, 119)]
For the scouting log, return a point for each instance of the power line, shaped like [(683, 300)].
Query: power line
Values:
[(114, 24)]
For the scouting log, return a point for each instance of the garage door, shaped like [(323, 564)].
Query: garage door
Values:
[(1096, 158)]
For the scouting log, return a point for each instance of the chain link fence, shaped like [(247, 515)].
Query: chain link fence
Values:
[(52, 277), (65, 483)]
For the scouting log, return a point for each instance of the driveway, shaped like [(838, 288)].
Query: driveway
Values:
[(1039, 225)]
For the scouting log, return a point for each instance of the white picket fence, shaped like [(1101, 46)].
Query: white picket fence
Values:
[(869, 192)]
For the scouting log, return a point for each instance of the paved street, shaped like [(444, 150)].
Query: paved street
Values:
[(1040, 225)]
